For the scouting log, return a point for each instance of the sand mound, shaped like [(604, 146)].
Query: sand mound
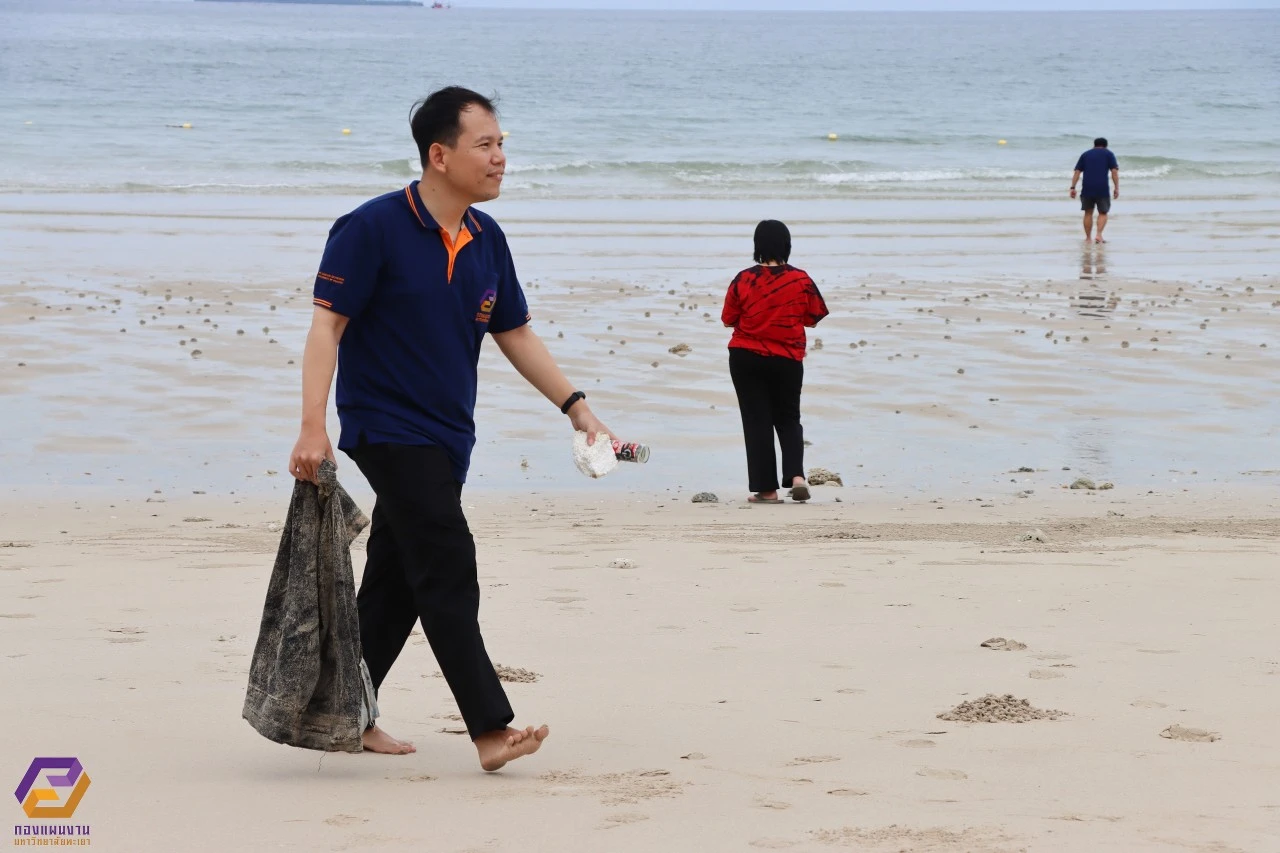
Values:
[(997, 709), (515, 675)]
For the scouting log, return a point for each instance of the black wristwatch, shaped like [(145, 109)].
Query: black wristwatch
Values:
[(573, 398)]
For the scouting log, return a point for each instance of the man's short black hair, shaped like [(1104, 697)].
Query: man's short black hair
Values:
[(773, 242), (1100, 142), (438, 117)]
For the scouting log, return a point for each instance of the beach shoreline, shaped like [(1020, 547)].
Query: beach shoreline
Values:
[(162, 350)]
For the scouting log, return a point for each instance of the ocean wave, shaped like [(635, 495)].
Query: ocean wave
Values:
[(571, 166), (605, 178), (951, 175), (833, 171), (399, 166)]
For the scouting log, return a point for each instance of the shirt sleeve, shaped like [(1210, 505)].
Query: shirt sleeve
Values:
[(732, 311), (510, 309), (816, 307), (349, 268), (1111, 161), (1080, 164)]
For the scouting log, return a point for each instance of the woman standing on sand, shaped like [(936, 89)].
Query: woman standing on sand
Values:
[(768, 306)]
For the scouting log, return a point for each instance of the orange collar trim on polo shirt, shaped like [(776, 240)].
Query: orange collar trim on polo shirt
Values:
[(454, 246), (451, 245), (413, 205)]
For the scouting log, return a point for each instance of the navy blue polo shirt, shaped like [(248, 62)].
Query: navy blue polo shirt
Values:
[(1096, 164), (419, 304)]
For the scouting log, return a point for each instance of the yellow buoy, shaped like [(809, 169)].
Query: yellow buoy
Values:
[(346, 131), (186, 125), (505, 134), (26, 122), (1002, 142), (833, 137)]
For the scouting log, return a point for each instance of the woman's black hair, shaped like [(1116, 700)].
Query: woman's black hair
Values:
[(773, 242)]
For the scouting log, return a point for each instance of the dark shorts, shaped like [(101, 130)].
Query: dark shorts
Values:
[(1102, 202)]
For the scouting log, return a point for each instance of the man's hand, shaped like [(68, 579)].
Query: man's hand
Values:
[(1116, 193), (1073, 191), (584, 420), (313, 447)]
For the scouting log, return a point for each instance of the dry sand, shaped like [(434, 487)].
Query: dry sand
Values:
[(755, 678)]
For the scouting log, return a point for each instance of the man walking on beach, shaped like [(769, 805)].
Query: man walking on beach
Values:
[(410, 282), (1096, 164)]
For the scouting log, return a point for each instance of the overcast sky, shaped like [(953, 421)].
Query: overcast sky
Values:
[(878, 5)]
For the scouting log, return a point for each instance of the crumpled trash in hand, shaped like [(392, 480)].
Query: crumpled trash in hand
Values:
[(595, 460)]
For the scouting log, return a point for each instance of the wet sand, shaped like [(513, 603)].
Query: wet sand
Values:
[(156, 352)]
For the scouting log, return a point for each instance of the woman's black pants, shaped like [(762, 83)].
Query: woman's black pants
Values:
[(768, 388)]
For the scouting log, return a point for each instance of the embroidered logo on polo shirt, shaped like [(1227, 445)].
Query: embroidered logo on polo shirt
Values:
[(486, 306)]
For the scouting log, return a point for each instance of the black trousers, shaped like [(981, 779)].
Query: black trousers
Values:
[(768, 388), (422, 566)]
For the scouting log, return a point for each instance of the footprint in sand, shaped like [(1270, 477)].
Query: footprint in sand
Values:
[(1158, 651), (1001, 644), (17, 616), (1044, 674), (1051, 656), (417, 778), (772, 843), (851, 691), (812, 759), (848, 792), (614, 821), (564, 599), (124, 639), (1148, 703), (344, 820), (765, 803), (1182, 733), (937, 773), (831, 584), (744, 609), (920, 743)]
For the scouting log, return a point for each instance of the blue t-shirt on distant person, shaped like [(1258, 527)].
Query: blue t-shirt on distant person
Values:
[(1096, 164)]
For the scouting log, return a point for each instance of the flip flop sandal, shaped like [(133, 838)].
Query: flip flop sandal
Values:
[(756, 499)]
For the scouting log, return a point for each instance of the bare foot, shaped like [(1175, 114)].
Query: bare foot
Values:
[(1099, 240), (376, 740), (498, 747)]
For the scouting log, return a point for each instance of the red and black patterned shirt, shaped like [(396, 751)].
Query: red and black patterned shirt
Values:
[(769, 308)]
